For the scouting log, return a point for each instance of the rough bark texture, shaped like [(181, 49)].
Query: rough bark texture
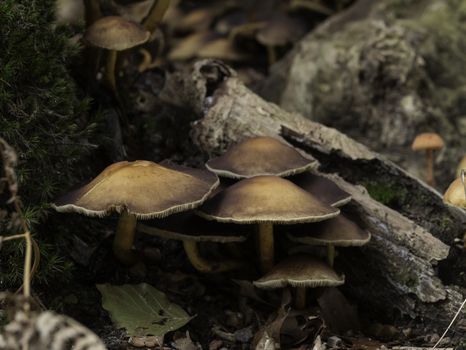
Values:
[(397, 271), (381, 72)]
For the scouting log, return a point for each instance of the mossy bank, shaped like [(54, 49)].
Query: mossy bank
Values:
[(43, 117)]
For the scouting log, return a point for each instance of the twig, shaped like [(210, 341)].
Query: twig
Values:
[(10, 238), (9, 162), (449, 326)]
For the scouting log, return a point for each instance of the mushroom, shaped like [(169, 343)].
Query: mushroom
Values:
[(324, 189), (461, 166), (300, 271), (265, 201), (256, 156), (156, 13), (191, 229), (69, 12), (279, 31), (456, 193), (115, 34), (338, 231), (428, 142), (138, 190), (133, 11), (92, 12)]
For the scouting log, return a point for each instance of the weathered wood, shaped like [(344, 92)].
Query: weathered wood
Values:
[(398, 268), (383, 71)]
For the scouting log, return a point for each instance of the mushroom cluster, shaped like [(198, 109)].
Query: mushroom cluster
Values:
[(305, 206), (254, 200)]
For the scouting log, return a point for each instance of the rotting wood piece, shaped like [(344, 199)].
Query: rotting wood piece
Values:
[(407, 242)]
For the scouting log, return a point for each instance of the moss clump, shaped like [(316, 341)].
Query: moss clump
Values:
[(387, 194), (42, 116)]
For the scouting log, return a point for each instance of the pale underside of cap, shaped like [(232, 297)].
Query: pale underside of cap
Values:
[(300, 271), (115, 33), (259, 156), (265, 199), (338, 231), (143, 188), (322, 188), (427, 141), (189, 227), (455, 194)]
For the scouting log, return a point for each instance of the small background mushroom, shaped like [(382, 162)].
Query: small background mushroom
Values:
[(428, 142)]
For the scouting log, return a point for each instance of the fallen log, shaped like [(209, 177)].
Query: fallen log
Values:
[(397, 272), (382, 72)]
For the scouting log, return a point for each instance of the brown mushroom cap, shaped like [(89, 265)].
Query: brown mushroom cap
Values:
[(455, 194), (300, 271), (426, 141), (146, 189), (266, 199), (115, 33), (190, 227), (259, 156), (221, 48), (322, 188), (338, 231), (280, 31)]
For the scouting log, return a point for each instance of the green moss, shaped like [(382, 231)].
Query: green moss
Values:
[(43, 117), (387, 194)]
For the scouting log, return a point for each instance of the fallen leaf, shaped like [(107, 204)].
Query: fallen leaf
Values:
[(339, 315), (141, 309)]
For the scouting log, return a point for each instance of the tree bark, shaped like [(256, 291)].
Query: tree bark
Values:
[(397, 272), (382, 72)]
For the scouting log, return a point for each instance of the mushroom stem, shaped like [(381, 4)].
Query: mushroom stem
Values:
[(92, 11), (192, 251), (430, 167), (266, 246), (155, 15), (110, 78), (330, 254), (202, 265), (300, 298), (124, 238), (271, 54)]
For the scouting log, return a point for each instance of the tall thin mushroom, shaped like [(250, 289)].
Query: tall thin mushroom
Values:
[(138, 190), (156, 13), (428, 142), (114, 34), (265, 201)]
